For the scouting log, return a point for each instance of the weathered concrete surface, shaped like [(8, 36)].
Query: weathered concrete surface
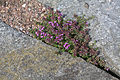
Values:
[(105, 27), (25, 58)]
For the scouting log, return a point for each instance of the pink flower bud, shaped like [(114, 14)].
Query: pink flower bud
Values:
[(51, 37), (57, 24), (86, 23), (50, 22), (42, 28), (41, 33), (57, 37), (107, 69), (53, 25), (54, 21), (41, 36), (58, 41), (45, 34), (76, 40), (37, 33), (65, 44), (59, 18)]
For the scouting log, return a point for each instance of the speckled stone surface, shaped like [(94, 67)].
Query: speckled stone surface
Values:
[(25, 58), (105, 27)]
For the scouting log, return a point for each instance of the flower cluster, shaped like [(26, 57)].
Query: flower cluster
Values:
[(59, 38), (66, 45), (68, 35), (40, 33), (54, 24)]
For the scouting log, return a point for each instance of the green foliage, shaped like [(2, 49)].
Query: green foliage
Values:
[(68, 35)]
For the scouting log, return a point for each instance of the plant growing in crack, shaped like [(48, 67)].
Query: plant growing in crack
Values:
[(68, 35)]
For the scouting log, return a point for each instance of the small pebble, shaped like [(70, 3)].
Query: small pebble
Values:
[(23, 5), (86, 5)]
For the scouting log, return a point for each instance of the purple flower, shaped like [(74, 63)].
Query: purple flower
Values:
[(57, 37), (67, 24), (107, 68), (51, 37), (53, 25), (37, 33), (77, 40), (60, 34), (56, 32), (58, 41), (54, 21), (57, 24), (59, 18), (50, 22), (41, 36), (60, 14), (67, 46), (41, 33), (86, 23), (70, 22), (42, 28), (45, 34)]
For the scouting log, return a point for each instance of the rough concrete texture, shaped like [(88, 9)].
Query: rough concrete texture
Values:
[(104, 27), (25, 58)]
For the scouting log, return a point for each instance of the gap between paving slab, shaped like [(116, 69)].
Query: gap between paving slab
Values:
[(22, 57)]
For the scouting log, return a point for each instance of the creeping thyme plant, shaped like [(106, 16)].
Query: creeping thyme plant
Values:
[(68, 35)]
